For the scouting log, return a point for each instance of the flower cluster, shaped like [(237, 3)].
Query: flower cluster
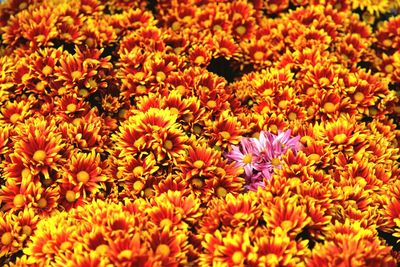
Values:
[(260, 156), (199, 133)]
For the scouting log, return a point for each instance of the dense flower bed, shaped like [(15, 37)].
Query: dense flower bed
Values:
[(199, 133)]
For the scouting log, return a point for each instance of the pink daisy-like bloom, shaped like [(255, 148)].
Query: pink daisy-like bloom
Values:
[(245, 154), (273, 146), (258, 180), (284, 142), (259, 157)]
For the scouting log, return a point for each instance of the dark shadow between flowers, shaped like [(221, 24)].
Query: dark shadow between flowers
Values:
[(224, 68), (151, 5), (57, 43), (305, 235), (390, 240)]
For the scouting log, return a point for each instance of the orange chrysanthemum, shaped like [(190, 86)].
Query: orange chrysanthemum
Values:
[(15, 196), (87, 171), (55, 236), (225, 131), (280, 249), (286, 214), (27, 221), (169, 247), (17, 111), (201, 168), (343, 132), (40, 146), (230, 213), (124, 251), (233, 249), (86, 133), (355, 245), (45, 199), (8, 235)]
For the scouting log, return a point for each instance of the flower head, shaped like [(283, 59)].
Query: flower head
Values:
[(259, 157), (245, 154)]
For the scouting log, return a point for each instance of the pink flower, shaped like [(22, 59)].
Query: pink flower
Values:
[(282, 142), (245, 155), (259, 157)]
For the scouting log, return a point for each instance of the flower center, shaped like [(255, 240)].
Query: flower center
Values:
[(199, 60), (125, 254), (275, 162), (76, 75), (387, 42), (163, 250), (25, 77), (168, 145), (23, 5), (197, 129), (91, 83), (42, 203), (286, 224), (40, 86), (221, 192), (27, 230), (272, 259), (273, 128), (373, 111), (39, 155), (166, 223), (47, 70), (292, 116), (83, 92), (314, 157), (122, 113), (102, 249), (340, 138), (198, 163), (217, 27), (310, 91), (83, 176), (148, 192), (258, 55), (19, 201), (323, 81), (90, 41), (174, 110), (273, 7), (196, 182), (14, 117), (76, 122), (139, 75), (71, 107), (70, 196), (241, 30), (138, 185), (138, 170), (6, 238), (389, 68), (310, 111), (283, 104), (160, 76), (358, 96), (141, 89), (237, 257), (226, 135), (47, 181), (65, 245), (329, 107), (211, 104), (247, 159)]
